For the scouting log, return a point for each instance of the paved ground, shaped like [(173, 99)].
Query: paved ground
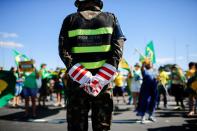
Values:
[(124, 119)]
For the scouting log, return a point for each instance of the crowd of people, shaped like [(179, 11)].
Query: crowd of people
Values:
[(91, 46), (38, 86), (143, 85), (148, 86)]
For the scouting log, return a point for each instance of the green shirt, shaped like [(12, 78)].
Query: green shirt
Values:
[(30, 80), (177, 78), (16, 75), (45, 74)]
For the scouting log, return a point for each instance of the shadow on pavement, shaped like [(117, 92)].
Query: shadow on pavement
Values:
[(170, 113), (129, 121), (191, 125), (41, 113), (118, 110)]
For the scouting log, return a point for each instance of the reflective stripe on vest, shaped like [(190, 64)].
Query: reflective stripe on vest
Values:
[(93, 65), (102, 48), (99, 31)]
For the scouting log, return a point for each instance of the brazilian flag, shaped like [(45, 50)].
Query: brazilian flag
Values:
[(19, 57), (150, 52), (7, 87)]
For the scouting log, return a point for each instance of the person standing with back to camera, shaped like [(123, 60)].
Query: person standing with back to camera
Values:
[(91, 46), (148, 92)]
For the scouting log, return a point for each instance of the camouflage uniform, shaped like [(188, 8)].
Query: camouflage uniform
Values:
[(78, 105), (84, 38)]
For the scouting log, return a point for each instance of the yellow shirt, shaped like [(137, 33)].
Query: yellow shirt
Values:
[(194, 85), (119, 80), (190, 73), (163, 78)]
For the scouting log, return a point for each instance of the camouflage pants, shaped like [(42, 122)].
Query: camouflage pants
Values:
[(80, 103)]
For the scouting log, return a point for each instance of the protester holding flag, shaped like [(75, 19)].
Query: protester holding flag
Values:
[(148, 92), (136, 83)]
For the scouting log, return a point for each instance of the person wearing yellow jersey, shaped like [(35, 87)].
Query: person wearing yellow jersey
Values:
[(191, 85), (162, 82), (118, 89), (119, 80), (190, 73)]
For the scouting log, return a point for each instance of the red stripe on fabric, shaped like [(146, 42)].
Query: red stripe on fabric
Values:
[(95, 82), (100, 87), (108, 70), (86, 89), (81, 75), (95, 91), (92, 87), (104, 75), (76, 71)]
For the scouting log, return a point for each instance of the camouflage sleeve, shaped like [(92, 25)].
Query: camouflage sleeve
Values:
[(64, 48), (117, 44)]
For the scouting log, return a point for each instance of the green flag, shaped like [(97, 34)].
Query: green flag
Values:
[(19, 57), (150, 52), (7, 87)]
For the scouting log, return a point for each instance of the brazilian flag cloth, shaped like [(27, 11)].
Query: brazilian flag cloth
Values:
[(19, 57), (7, 87), (150, 52)]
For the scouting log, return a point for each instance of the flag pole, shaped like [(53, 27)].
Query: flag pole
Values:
[(140, 53)]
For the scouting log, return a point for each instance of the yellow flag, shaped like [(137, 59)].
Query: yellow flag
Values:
[(123, 64)]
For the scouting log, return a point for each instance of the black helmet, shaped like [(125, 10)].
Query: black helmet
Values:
[(99, 2)]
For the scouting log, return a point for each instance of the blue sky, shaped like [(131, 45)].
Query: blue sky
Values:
[(32, 27)]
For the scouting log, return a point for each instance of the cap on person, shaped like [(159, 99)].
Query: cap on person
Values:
[(137, 65), (42, 65), (98, 2)]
